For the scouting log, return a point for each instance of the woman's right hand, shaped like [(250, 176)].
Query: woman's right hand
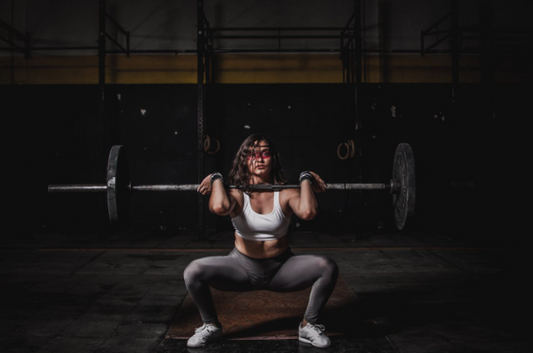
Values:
[(205, 186)]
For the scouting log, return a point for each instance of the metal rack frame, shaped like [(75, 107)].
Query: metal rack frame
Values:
[(488, 37), (350, 53), (350, 50), (14, 37)]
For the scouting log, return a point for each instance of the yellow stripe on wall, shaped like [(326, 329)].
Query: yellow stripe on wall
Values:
[(247, 68)]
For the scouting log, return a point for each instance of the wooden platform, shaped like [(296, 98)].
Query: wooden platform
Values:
[(260, 315)]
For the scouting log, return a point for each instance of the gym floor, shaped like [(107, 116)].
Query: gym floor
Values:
[(417, 292)]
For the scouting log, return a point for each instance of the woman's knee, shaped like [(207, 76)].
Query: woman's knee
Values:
[(193, 272), (328, 266)]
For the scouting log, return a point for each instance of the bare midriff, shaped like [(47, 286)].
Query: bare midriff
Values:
[(261, 249)]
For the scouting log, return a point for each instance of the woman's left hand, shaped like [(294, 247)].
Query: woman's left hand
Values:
[(318, 184)]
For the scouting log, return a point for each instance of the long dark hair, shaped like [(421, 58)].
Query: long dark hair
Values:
[(240, 175)]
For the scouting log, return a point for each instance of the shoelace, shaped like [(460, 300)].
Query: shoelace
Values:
[(318, 328), (205, 330)]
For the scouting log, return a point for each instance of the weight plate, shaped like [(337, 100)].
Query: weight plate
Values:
[(403, 172), (118, 185)]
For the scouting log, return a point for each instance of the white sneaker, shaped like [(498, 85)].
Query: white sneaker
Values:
[(204, 335), (314, 334)]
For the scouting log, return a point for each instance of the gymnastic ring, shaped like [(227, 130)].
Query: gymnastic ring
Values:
[(216, 149), (339, 151), (352, 148), (207, 143)]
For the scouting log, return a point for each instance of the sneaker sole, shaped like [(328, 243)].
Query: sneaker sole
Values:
[(305, 340), (207, 343)]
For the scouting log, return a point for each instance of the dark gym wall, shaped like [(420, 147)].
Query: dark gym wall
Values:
[(296, 99), (59, 140), (62, 137)]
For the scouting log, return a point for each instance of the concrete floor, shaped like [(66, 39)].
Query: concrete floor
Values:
[(119, 293)]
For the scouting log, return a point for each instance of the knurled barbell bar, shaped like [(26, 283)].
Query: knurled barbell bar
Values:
[(402, 186)]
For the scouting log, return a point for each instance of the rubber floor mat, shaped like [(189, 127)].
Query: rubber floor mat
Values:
[(261, 315)]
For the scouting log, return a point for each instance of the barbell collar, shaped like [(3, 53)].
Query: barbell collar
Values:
[(395, 186)]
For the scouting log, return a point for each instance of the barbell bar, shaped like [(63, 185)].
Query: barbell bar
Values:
[(402, 186), (261, 187), (101, 188)]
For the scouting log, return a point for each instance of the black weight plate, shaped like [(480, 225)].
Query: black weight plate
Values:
[(403, 172), (118, 185)]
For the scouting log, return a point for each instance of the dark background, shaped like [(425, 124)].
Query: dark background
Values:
[(56, 138), (473, 131)]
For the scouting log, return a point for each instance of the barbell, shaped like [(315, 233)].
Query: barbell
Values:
[(118, 187)]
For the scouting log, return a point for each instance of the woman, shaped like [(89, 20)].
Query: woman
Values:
[(261, 258)]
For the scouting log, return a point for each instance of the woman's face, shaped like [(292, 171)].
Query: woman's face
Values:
[(260, 160)]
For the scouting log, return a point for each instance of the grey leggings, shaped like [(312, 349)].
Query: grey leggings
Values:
[(238, 273)]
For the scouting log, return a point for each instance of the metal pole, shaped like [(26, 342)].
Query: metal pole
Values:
[(200, 110), (455, 41), (101, 78), (487, 52), (358, 42), (357, 96)]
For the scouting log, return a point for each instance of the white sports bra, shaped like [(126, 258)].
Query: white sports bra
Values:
[(251, 225)]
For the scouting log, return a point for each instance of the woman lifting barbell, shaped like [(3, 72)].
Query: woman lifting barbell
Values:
[(262, 258)]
